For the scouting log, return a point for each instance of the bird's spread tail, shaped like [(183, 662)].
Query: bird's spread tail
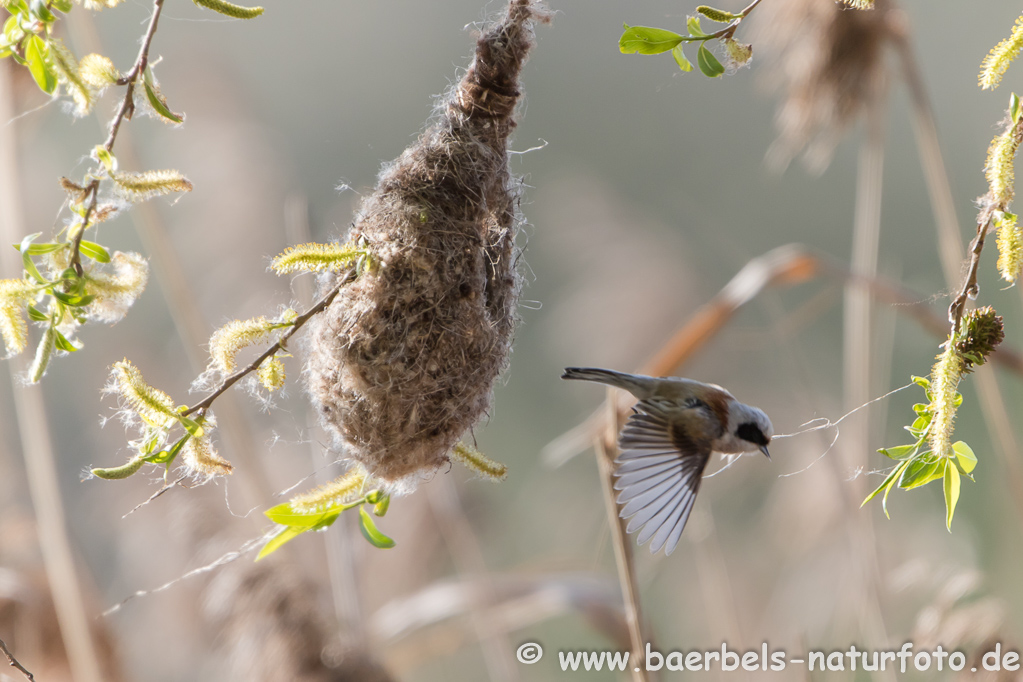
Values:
[(630, 382), (603, 376)]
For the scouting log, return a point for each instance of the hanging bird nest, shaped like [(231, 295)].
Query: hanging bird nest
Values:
[(404, 360)]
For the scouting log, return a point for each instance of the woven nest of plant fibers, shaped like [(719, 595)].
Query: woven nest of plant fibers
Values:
[(404, 360)]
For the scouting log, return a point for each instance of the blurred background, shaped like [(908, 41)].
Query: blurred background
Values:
[(649, 192)]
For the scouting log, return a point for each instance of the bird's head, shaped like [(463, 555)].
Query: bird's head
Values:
[(751, 427)]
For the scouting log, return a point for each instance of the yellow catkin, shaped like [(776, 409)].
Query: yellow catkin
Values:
[(271, 373), (315, 257), (142, 186), (859, 4), (15, 297), (98, 71), (152, 405), (346, 488), (230, 9), (715, 14), (945, 376), (473, 459), (97, 5), (999, 169), (116, 292), (997, 62), (1010, 249), (69, 75), (227, 341), (201, 459)]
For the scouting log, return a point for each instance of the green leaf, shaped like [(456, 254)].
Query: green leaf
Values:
[(12, 29), (965, 458), (191, 425), (646, 40), (39, 249), (370, 532), (1014, 107), (106, 158), (284, 515), (39, 9), (680, 58), (37, 315), (951, 492), (380, 507), (156, 101), (900, 452), (73, 300), (708, 63), (16, 7), (63, 344), (283, 536), (62, 5), (39, 66), (94, 251), (31, 269), (921, 471), (886, 486), (922, 408), (693, 24)]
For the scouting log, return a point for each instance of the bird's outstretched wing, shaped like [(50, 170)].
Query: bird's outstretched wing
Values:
[(659, 473)]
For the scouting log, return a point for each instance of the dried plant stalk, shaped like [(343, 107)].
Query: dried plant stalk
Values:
[(403, 361)]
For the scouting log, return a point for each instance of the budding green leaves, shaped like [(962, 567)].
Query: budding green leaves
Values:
[(649, 40), (294, 520), (918, 464)]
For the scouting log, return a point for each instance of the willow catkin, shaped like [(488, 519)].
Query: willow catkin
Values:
[(404, 360)]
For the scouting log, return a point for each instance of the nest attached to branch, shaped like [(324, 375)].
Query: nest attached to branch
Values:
[(404, 360)]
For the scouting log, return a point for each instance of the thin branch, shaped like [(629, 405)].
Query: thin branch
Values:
[(230, 381), (126, 110), (985, 220), (14, 662)]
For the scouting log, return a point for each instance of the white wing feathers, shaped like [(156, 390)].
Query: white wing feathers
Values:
[(658, 476)]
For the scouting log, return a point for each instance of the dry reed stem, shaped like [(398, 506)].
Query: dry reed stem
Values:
[(34, 430), (606, 448)]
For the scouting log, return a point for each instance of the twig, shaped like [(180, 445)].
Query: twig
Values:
[(126, 110), (729, 31), (14, 662), (991, 398), (155, 495), (230, 381), (985, 219)]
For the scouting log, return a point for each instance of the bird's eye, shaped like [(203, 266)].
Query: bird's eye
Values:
[(752, 433)]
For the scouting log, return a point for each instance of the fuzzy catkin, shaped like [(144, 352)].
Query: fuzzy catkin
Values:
[(404, 360)]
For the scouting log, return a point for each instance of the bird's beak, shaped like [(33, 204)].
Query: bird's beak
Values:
[(763, 449)]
